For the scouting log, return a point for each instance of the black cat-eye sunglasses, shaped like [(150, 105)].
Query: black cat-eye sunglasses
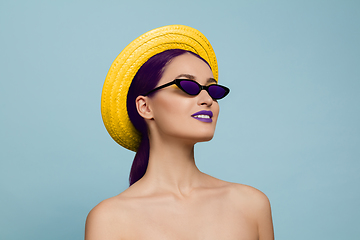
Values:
[(193, 88)]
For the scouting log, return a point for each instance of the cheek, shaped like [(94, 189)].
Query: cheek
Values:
[(216, 109), (171, 114), (173, 118)]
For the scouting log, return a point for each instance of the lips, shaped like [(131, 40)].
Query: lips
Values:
[(203, 116)]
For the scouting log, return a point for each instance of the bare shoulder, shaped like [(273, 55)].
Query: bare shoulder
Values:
[(249, 201), (249, 194), (256, 205), (107, 220), (239, 192)]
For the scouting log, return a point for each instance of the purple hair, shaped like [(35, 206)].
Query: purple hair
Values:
[(145, 80)]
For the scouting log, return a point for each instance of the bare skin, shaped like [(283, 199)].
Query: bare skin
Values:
[(174, 200)]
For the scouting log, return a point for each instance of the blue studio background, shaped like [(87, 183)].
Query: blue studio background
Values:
[(290, 126)]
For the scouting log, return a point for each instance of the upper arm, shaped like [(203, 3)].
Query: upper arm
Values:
[(264, 219), (102, 223), (257, 207)]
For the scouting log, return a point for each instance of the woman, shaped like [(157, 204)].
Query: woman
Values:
[(169, 79)]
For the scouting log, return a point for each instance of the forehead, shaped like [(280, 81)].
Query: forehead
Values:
[(187, 64)]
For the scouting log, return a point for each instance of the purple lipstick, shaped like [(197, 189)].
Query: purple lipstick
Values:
[(203, 115)]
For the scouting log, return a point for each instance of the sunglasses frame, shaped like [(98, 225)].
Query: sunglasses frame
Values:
[(201, 87)]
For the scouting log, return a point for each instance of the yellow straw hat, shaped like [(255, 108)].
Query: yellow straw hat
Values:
[(128, 62)]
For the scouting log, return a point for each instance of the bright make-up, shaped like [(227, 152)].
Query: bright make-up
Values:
[(203, 116)]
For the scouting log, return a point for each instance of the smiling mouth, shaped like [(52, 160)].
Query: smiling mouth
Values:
[(201, 116), (204, 116)]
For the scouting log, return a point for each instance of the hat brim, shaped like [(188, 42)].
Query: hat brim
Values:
[(127, 63)]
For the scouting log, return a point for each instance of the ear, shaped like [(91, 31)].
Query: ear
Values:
[(142, 106)]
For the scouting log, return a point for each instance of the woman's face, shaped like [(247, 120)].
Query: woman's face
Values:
[(177, 114)]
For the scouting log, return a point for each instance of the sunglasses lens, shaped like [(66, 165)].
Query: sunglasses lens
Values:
[(190, 87), (217, 92)]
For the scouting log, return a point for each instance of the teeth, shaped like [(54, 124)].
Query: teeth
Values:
[(202, 116)]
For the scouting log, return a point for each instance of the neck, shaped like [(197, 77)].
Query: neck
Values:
[(171, 166)]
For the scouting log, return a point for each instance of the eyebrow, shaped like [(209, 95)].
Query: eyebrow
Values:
[(211, 80), (192, 77)]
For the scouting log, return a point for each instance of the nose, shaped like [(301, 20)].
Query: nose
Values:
[(204, 98)]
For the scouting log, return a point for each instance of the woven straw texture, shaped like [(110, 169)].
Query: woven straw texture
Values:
[(128, 62)]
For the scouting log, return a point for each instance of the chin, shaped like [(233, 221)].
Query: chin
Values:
[(196, 139), (205, 138)]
